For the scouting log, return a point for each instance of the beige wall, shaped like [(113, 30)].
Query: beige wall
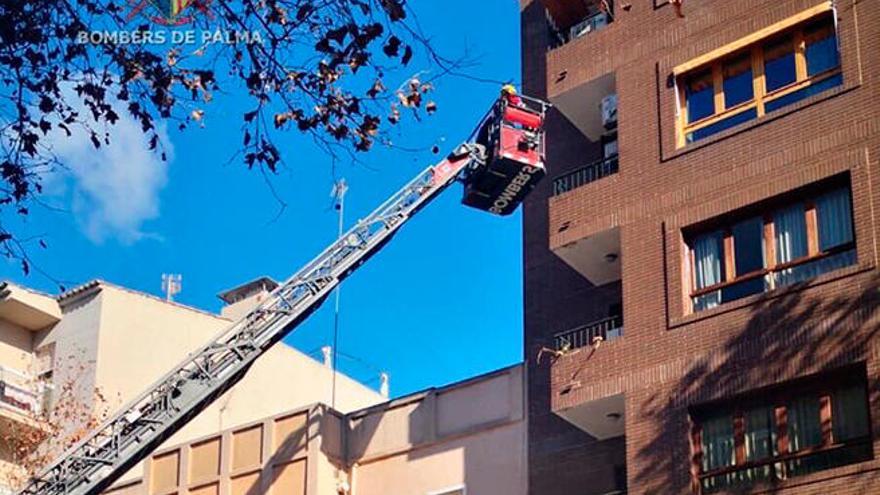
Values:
[(119, 342), (469, 434), (75, 339), (141, 338), (491, 462), (16, 346), (280, 455), (239, 309)]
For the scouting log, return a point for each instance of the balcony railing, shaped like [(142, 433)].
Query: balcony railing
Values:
[(21, 392), (608, 329), (585, 175)]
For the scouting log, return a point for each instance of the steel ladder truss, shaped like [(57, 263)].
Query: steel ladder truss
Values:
[(93, 464)]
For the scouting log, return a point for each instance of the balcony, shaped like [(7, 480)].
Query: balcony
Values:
[(586, 174), (569, 20), (601, 418), (591, 106), (22, 399), (607, 329), (27, 309), (595, 257)]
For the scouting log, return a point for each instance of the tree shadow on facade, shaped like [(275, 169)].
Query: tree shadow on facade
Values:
[(787, 336)]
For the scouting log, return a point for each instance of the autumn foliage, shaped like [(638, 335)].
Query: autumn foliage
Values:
[(67, 413), (315, 67)]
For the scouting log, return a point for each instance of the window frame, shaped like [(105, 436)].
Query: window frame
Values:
[(755, 48), (821, 389), (728, 254)]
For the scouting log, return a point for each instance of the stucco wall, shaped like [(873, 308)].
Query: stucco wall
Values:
[(75, 338), (142, 337), (486, 463), (469, 434), (16, 344)]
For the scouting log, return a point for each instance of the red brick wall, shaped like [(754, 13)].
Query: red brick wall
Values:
[(669, 360)]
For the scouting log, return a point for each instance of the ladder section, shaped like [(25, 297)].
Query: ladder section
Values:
[(128, 436)]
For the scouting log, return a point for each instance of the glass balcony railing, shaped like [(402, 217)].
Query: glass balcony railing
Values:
[(586, 174), (583, 336)]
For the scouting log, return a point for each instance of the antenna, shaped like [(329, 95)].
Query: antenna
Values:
[(171, 285), (340, 187)]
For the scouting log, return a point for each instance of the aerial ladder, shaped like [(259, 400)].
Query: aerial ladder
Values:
[(498, 165)]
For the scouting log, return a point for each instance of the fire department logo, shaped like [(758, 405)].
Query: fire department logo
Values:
[(168, 12)]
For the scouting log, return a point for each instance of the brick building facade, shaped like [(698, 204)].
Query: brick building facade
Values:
[(725, 250)]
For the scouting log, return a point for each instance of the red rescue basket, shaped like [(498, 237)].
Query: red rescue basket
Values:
[(513, 137)]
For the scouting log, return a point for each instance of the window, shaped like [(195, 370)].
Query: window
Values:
[(761, 77), (796, 431), (784, 245)]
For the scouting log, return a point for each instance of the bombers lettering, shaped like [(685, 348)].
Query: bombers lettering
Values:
[(513, 189), (161, 37)]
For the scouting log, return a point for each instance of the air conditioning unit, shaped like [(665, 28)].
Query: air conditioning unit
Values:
[(609, 111)]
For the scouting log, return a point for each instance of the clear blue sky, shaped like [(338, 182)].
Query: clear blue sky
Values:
[(441, 303)]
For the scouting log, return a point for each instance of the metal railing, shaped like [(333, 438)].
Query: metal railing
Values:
[(20, 391), (607, 328), (586, 174)]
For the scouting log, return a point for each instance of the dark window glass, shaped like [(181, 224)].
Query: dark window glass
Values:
[(737, 76), (850, 419), (742, 289), (807, 92), (821, 47), (834, 215), (725, 124), (748, 242), (748, 248), (700, 96), (719, 451), (850, 414), (790, 240), (760, 441), (779, 64)]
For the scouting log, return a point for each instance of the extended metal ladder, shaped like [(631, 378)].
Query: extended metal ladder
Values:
[(94, 463)]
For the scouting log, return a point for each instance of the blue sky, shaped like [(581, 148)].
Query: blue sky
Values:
[(441, 303)]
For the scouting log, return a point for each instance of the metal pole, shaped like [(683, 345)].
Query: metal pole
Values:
[(340, 190)]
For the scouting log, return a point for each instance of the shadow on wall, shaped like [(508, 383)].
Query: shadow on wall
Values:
[(791, 335), (470, 433), (291, 449)]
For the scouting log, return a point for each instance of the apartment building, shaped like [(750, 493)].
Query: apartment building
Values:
[(88, 351), (464, 438), (701, 283)]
